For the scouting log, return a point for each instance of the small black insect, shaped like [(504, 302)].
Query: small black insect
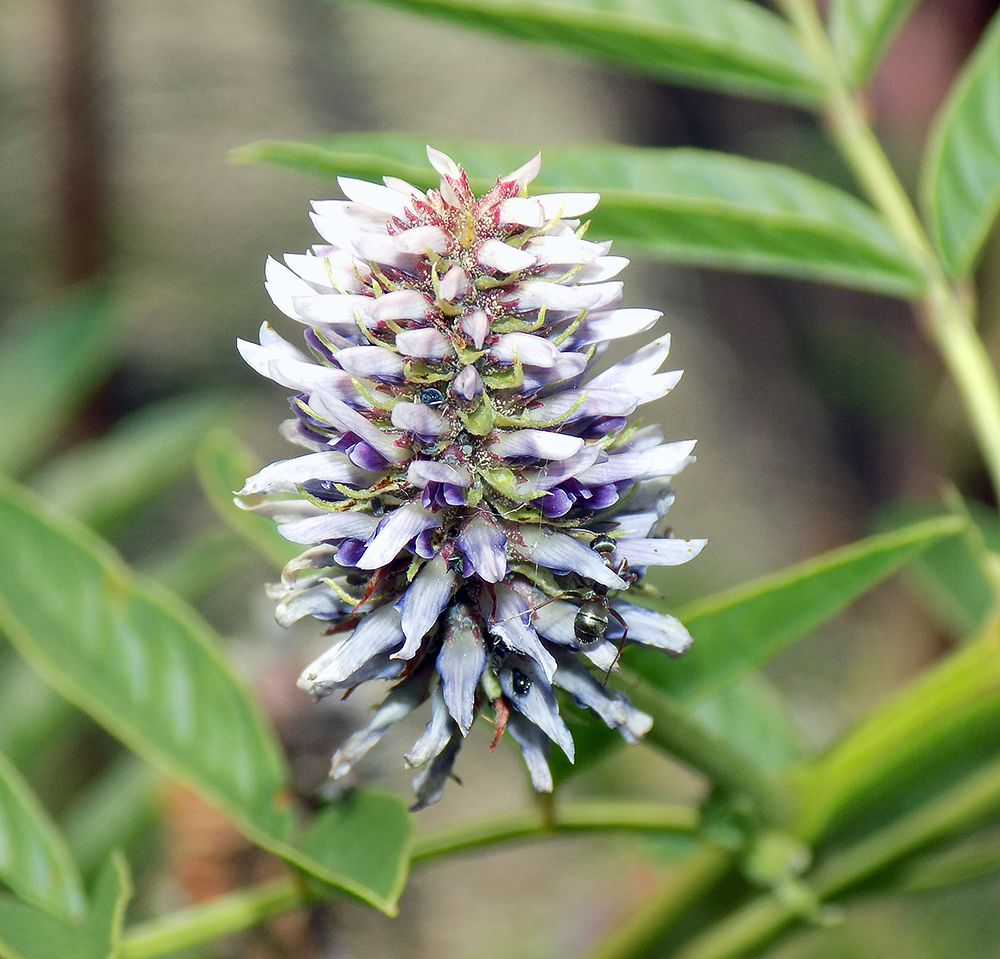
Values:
[(590, 625), (520, 682), (431, 397)]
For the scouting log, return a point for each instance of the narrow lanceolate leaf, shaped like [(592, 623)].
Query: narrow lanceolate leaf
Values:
[(955, 578), (223, 461), (30, 933), (136, 659), (148, 669), (34, 860), (49, 362), (947, 721), (726, 45), (960, 179), (738, 630), (678, 205), (750, 716), (101, 481), (861, 31)]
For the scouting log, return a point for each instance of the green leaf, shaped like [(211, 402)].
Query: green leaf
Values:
[(29, 933), (750, 715), (223, 462), (725, 45), (117, 808), (151, 671), (861, 31), (135, 659), (363, 833), (924, 740), (955, 577), (34, 860), (678, 205), (49, 362), (960, 179), (740, 629), (104, 479)]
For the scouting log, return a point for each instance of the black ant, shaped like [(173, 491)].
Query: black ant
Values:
[(590, 625), (594, 613)]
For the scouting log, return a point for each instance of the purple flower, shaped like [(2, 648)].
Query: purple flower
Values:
[(474, 502)]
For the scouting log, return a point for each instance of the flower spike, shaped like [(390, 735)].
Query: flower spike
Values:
[(474, 504)]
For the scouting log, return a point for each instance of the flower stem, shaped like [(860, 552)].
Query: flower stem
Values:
[(242, 910), (676, 731), (211, 920), (947, 315), (969, 802)]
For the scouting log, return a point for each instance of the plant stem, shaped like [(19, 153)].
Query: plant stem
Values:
[(242, 910), (676, 731), (566, 817), (947, 316), (972, 800), (211, 920)]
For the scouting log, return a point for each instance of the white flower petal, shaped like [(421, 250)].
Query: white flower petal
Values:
[(658, 552), (538, 444), (503, 258), (563, 553), (423, 602), (375, 195), (287, 475), (394, 532)]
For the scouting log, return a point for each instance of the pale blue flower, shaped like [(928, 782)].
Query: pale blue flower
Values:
[(474, 502)]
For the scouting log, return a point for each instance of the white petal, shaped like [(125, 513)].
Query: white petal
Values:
[(339, 414), (454, 284), (436, 734), (523, 175), (510, 621), (563, 553), (534, 294), (666, 460), (522, 211), (375, 634), (286, 475), (529, 349), (283, 286), (427, 343), (535, 750), (475, 326), (537, 443), (502, 257), (422, 472), (653, 629), (346, 524), (423, 602), (419, 418), (443, 163), (460, 664), (419, 239), (485, 547), (375, 195), (566, 205), (658, 552), (537, 703), (394, 532), (370, 361)]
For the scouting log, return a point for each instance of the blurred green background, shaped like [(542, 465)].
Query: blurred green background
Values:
[(814, 407)]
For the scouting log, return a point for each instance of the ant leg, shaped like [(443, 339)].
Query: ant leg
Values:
[(621, 645)]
